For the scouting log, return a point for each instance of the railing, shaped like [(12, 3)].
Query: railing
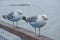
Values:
[(21, 32)]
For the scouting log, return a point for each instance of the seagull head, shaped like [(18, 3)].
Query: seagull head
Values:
[(44, 17), (19, 12)]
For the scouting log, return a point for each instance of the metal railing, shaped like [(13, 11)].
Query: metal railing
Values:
[(21, 32)]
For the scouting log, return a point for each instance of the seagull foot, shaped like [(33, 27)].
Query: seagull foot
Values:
[(38, 36), (16, 27)]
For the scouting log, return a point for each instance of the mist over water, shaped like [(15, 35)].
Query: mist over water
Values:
[(37, 7)]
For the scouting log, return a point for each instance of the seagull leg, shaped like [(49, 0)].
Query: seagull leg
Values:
[(13, 23), (16, 24), (35, 30), (39, 31)]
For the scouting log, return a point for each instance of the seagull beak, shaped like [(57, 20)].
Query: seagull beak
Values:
[(46, 19)]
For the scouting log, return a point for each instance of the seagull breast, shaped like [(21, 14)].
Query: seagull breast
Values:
[(38, 24)]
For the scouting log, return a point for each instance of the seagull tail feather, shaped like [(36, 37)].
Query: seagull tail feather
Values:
[(4, 16)]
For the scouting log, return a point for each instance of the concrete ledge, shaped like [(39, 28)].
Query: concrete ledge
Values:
[(21, 32)]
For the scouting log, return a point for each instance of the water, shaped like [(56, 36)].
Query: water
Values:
[(49, 7)]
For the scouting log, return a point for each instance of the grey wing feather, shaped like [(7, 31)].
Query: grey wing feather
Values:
[(10, 15), (32, 19)]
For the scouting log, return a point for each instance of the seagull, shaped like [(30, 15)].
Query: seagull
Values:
[(14, 16), (36, 21)]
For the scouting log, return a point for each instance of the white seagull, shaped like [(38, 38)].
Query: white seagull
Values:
[(36, 21), (14, 16)]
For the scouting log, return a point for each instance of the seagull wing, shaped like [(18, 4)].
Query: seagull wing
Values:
[(10, 15), (32, 19)]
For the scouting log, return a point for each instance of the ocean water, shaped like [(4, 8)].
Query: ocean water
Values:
[(37, 7)]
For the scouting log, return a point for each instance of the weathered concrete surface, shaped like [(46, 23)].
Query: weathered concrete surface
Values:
[(21, 32)]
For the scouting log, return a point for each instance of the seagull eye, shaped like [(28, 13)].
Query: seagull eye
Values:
[(19, 13), (43, 17)]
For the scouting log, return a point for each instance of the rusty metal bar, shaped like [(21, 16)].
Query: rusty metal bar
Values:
[(21, 32)]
